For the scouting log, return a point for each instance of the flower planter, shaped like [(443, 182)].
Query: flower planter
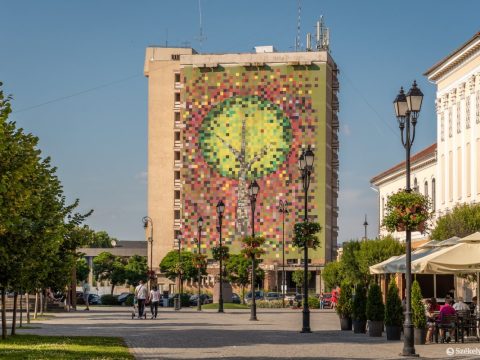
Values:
[(419, 336), (375, 328), (393, 332), (359, 326), (345, 323), (310, 244)]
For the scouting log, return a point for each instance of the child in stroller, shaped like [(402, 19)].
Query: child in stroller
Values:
[(135, 309)]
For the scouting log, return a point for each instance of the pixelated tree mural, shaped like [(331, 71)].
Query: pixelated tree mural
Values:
[(245, 138)]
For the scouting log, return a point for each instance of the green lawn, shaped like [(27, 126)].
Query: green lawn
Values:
[(226, 306), (36, 347)]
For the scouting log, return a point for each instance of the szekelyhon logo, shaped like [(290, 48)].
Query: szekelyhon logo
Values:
[(450, 351)]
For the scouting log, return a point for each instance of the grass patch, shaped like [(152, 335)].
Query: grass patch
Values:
[(35, 347), (225, 306), (28, 327), (42, 317)]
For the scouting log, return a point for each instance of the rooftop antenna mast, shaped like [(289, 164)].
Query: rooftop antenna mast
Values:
[(201, 38), (323, 36), (297, 39)]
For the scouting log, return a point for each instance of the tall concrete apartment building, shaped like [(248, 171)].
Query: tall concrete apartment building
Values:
[(218, 121)]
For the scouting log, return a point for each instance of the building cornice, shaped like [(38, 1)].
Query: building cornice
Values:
[(461, 55)]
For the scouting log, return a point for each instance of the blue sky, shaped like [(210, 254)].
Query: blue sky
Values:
[(75, 69)]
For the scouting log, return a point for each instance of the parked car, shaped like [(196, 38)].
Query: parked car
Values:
[(273, 296), (123, 297), (327, 301), (204, 299), (259, 295), (236, 299), (290, 297), (93, 299)]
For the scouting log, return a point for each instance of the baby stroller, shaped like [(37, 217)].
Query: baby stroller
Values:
[(135, 309)]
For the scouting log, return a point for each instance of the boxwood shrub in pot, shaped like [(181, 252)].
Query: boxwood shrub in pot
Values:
[(419, 318), (344, 306), (359, 317), (393, 312), (375, 311)]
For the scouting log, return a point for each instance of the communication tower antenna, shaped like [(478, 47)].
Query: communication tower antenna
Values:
[(297, 39), (323, 35), (200, 38)]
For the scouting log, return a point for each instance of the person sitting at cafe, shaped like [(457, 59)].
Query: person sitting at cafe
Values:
[(431, 308), (447, 310), (473, 305), (460, 305)]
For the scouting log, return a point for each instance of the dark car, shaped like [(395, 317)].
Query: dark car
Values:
[(327, 301), (273, 296), (123, 297), (93, 299), (204, 299), (236, 299), (258, 295)]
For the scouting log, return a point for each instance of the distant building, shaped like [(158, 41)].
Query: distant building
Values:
[(449, 170), (217, 121)]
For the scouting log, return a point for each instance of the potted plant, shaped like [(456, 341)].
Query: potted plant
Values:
[(393, 312), (407, 211), (305, 234), (419, 318), (344, 306), (199, 261), (220, 252), (252, 247), (359, 317), (375, 311)]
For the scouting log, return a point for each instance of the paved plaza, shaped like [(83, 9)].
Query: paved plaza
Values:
[(188, 334)]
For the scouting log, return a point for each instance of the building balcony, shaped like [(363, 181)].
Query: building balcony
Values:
[(177, 224), (177, 144), (177, 104), (335, 85), (178, 85), (177, 184), (177, 203), (177, 164)]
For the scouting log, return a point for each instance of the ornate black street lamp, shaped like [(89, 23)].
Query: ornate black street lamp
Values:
[(147, 220), (407, 109), (305, 165), (220, 210), (252, 192), (180, 287), (200, 225), (284, 211)]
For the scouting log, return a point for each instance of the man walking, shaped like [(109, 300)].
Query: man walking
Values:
[(86, 294), (141, 294)]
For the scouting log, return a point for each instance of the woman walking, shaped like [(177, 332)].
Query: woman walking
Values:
[(154, 299)]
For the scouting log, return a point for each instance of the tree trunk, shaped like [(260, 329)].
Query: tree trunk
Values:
[(45, 301), (28, 307), (14, 313), (21, 308), (111, 290), (41, 302), (243, 294), (4, 315), (35, 310)]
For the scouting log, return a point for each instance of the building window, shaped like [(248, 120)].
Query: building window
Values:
[(177, 214), (450, 122), (175, 57), (459, 172), (177, 175), (425, 188), (177, 116), (177, 97), (468, 170), (477, 112), (442, 126), (177, 77), (467, 112), (292, 261), (415, 185), (433, 195), (177, 135), (177, 194), (177, 155)]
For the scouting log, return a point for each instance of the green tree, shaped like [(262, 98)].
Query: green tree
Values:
[(333, 275), (136, 270), (238, 269), (82, 270), (101, 239), (419, 318), (359, 303), (297, 278), (107, 266), (375, 309), (345, 301), (170, 265), (462, 221), (393, 306), (350, 266)]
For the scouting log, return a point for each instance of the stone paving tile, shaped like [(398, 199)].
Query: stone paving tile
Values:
[(188, 334)]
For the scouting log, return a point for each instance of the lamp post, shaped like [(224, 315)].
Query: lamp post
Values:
[(305, 165), (147, 220), (407, 109), (365, 224), (179, 240), (283, 210), (220, 210), (252, 192), (200, 225)]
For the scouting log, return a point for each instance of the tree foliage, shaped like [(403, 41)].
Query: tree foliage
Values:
[(419, 318), (136, 269), (171, 266), (238, 270), (345, 301), (332, 275), (375, 309), (359, 303), (108, 267), (462, 221), (82, 270), (297, 277), (393, 306)]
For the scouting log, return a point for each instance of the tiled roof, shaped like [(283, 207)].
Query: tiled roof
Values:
[(425, 153)]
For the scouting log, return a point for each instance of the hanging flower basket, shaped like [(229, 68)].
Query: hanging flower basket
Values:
[(252, 247), (220, 252), (305, 234), (199, 261), (407, 211)]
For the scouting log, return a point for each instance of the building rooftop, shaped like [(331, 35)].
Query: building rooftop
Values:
[(122, 248), (421, 155)]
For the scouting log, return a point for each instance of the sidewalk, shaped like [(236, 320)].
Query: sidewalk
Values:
[(188, 334)]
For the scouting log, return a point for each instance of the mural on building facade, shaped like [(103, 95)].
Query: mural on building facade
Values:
[(243, 124)]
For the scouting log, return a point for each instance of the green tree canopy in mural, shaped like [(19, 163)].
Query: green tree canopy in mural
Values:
[(245, 137)]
